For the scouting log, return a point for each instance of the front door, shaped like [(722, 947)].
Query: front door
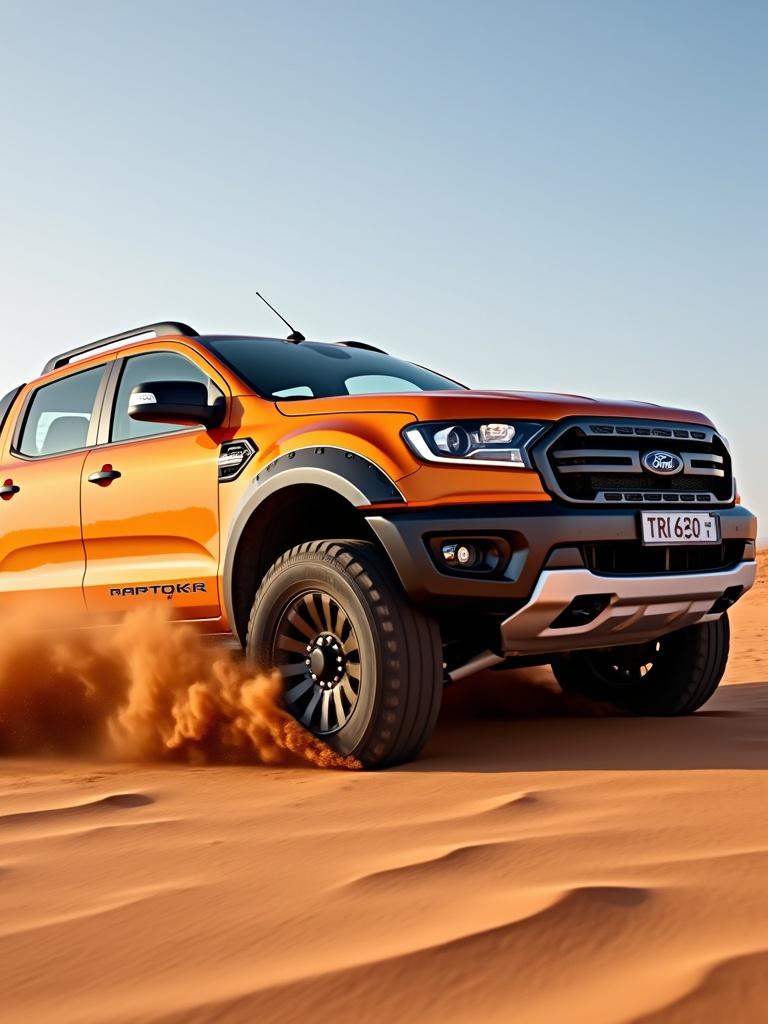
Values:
[(42, 560), (150, 504)]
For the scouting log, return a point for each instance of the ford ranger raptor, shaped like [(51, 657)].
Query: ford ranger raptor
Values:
[(371, 529)]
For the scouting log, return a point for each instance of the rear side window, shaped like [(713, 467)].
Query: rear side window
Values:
[(59, 415), (154, 366)]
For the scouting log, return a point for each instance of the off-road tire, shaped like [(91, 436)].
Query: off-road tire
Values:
[(682, 671), (399, 648)]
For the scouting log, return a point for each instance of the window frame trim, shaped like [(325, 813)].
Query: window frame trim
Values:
[(13, 395), (109, 406), (93, 425)]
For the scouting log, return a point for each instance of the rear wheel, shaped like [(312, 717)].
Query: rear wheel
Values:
[(674, 675), (362, 666)]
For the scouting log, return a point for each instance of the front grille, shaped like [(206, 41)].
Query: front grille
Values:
[(607, 462), (631, 558)]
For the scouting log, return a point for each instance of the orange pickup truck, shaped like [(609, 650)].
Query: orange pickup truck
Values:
[(372, 529)]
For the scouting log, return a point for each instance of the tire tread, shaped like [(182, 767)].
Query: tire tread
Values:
[(409, 642), (692, 672)]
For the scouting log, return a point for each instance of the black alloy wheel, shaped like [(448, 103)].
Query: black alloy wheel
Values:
[(318, 655)]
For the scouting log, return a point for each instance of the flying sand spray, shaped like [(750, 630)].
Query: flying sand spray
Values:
[(146, 689)]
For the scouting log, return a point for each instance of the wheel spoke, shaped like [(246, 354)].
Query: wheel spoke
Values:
[(341, 622), (309, 711), (303, 627), (325, 601), (296, 691), (309, 603), (326, 703), (339, 703), (287, 671), (347, 688), (353, 669), (287, 643)]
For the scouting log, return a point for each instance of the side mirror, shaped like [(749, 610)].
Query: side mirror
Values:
[(175, 401)]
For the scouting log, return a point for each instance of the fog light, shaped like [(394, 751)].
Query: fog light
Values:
[(462, 554), (467, 555)]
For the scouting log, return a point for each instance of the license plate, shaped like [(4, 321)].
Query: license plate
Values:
[(680, 527)]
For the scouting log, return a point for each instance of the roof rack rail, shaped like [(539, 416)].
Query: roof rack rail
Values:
[(169, 327), (361, 344)]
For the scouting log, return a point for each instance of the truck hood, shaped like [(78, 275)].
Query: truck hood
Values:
[(449, 405)]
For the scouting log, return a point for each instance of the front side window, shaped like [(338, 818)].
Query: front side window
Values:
[(60, 414), (154, 366)]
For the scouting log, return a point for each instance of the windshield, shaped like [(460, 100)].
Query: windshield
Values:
[(283, 370)]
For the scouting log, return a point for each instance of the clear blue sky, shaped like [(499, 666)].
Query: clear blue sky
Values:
[(545, 195)]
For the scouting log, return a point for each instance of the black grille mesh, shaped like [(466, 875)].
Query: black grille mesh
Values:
[(617, 558)]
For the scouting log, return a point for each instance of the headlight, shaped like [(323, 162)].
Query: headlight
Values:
[(496, 444)]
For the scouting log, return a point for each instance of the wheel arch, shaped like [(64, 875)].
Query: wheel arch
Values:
[(310, 494)]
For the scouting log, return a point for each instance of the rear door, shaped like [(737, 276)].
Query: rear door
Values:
[(150, 508), (42, 560)]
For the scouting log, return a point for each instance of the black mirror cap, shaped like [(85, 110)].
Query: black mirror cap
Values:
[(175, 401)]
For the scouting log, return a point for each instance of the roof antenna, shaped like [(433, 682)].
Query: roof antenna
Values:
[(295, 336)]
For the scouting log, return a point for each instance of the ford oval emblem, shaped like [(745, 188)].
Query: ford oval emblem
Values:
[(662, 463)]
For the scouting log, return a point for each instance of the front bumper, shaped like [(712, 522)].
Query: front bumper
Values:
[(539, 534), (547, 568)]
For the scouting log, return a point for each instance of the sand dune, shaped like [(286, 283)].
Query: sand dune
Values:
[(544, 862)]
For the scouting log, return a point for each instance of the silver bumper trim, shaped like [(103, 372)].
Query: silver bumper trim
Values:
[(640, 608)]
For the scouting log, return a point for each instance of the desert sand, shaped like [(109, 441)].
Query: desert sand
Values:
[(543, 862)]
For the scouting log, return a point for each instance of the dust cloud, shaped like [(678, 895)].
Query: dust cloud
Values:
[(146, 690)]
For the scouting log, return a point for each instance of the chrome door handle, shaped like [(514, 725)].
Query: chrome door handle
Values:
[(104, 476), (8, 489)]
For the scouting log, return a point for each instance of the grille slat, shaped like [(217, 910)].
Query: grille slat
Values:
[(577, 460), (589, 462)]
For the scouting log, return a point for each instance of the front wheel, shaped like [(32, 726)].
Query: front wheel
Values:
[(674, 675), (362, 666)]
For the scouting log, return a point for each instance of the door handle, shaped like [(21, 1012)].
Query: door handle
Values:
[(104, 476), (8, 489)]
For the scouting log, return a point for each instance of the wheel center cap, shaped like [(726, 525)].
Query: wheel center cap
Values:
[(317, 662), (326, 661)]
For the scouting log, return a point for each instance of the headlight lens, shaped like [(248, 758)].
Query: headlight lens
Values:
[(473, 441)]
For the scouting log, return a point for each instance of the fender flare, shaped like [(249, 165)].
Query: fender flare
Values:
[(350, 475)]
